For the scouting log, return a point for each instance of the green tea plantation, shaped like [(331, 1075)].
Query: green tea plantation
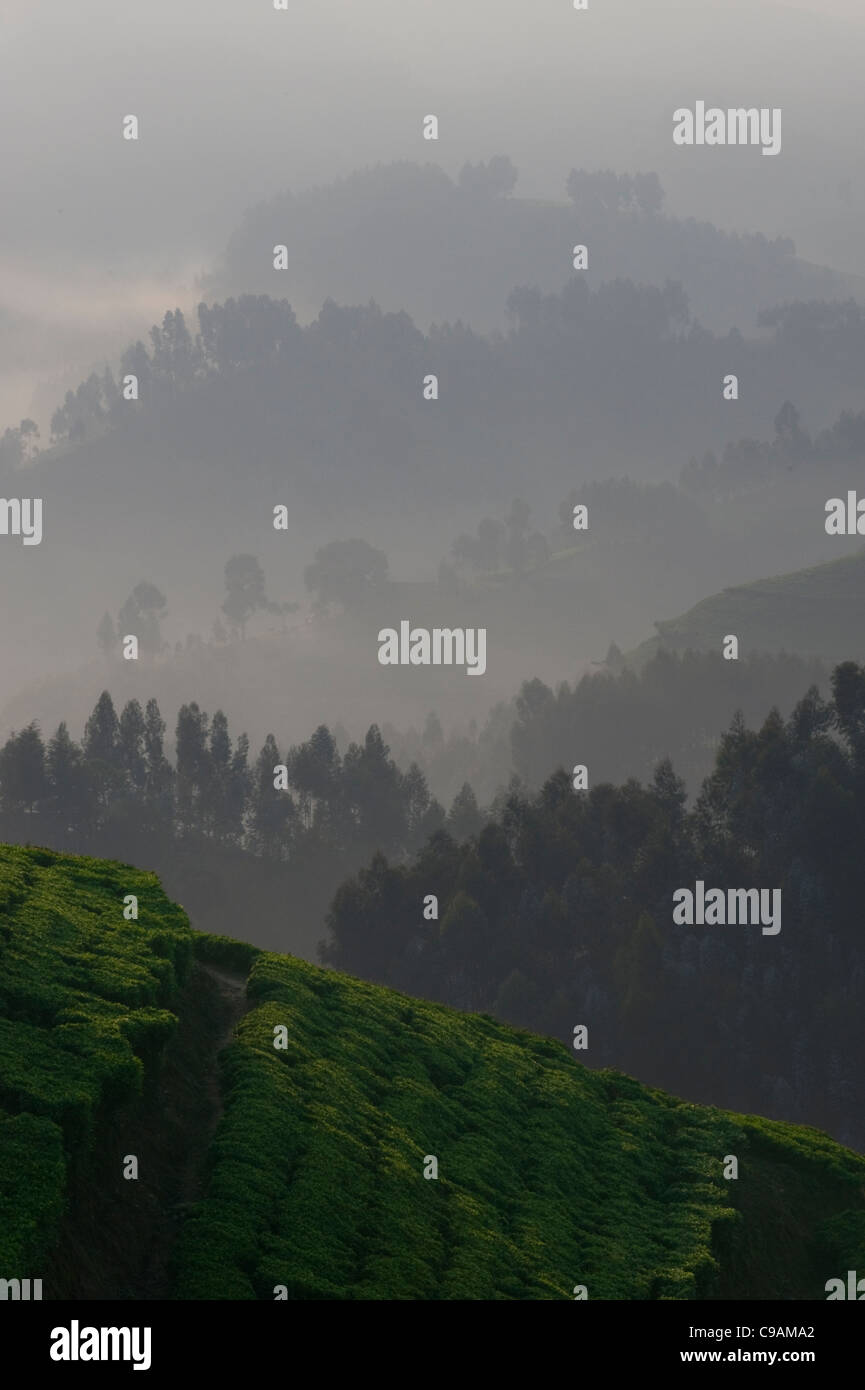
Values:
[(301, 1134)]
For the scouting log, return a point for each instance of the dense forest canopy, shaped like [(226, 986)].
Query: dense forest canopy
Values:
[(559, 913), (381, 233), (554, 907)]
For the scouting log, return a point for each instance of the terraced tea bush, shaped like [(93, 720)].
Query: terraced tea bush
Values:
[(549, 1175), (84, 998)]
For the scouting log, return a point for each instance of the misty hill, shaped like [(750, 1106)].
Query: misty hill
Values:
[(301, 1168), (627, 717), (254, 411), (410, 237), (814, 612), (191, 797), (549, 597), (551, 623)]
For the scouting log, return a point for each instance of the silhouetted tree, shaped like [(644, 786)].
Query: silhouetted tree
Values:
[(496, 178), (141, 615), (106, 635), (194, 768), (22, 770), (244, 583), (464, 818), (273, 811), (131, 732), (345, 573), (70, 801)]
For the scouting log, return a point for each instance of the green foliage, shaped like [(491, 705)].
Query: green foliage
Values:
[(842, 1238), (82, 1013), (239, 956), (32, 1183), (549, 1174), (559, 909)]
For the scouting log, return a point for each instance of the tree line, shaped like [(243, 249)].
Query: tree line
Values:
[(549, 379), (558, 913), (553, 908), (277, 805)]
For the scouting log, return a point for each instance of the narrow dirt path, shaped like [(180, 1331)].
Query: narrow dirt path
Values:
[(118, 1236), (232, 991)]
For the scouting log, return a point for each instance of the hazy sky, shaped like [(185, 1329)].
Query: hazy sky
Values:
[(238, 101)]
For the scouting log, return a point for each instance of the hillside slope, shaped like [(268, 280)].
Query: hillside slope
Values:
[(82, 1022), (814, 612), (385, 232), (549, 1175)]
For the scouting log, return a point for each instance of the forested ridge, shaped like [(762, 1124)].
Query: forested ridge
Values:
[(554, 906), (559, 913)]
